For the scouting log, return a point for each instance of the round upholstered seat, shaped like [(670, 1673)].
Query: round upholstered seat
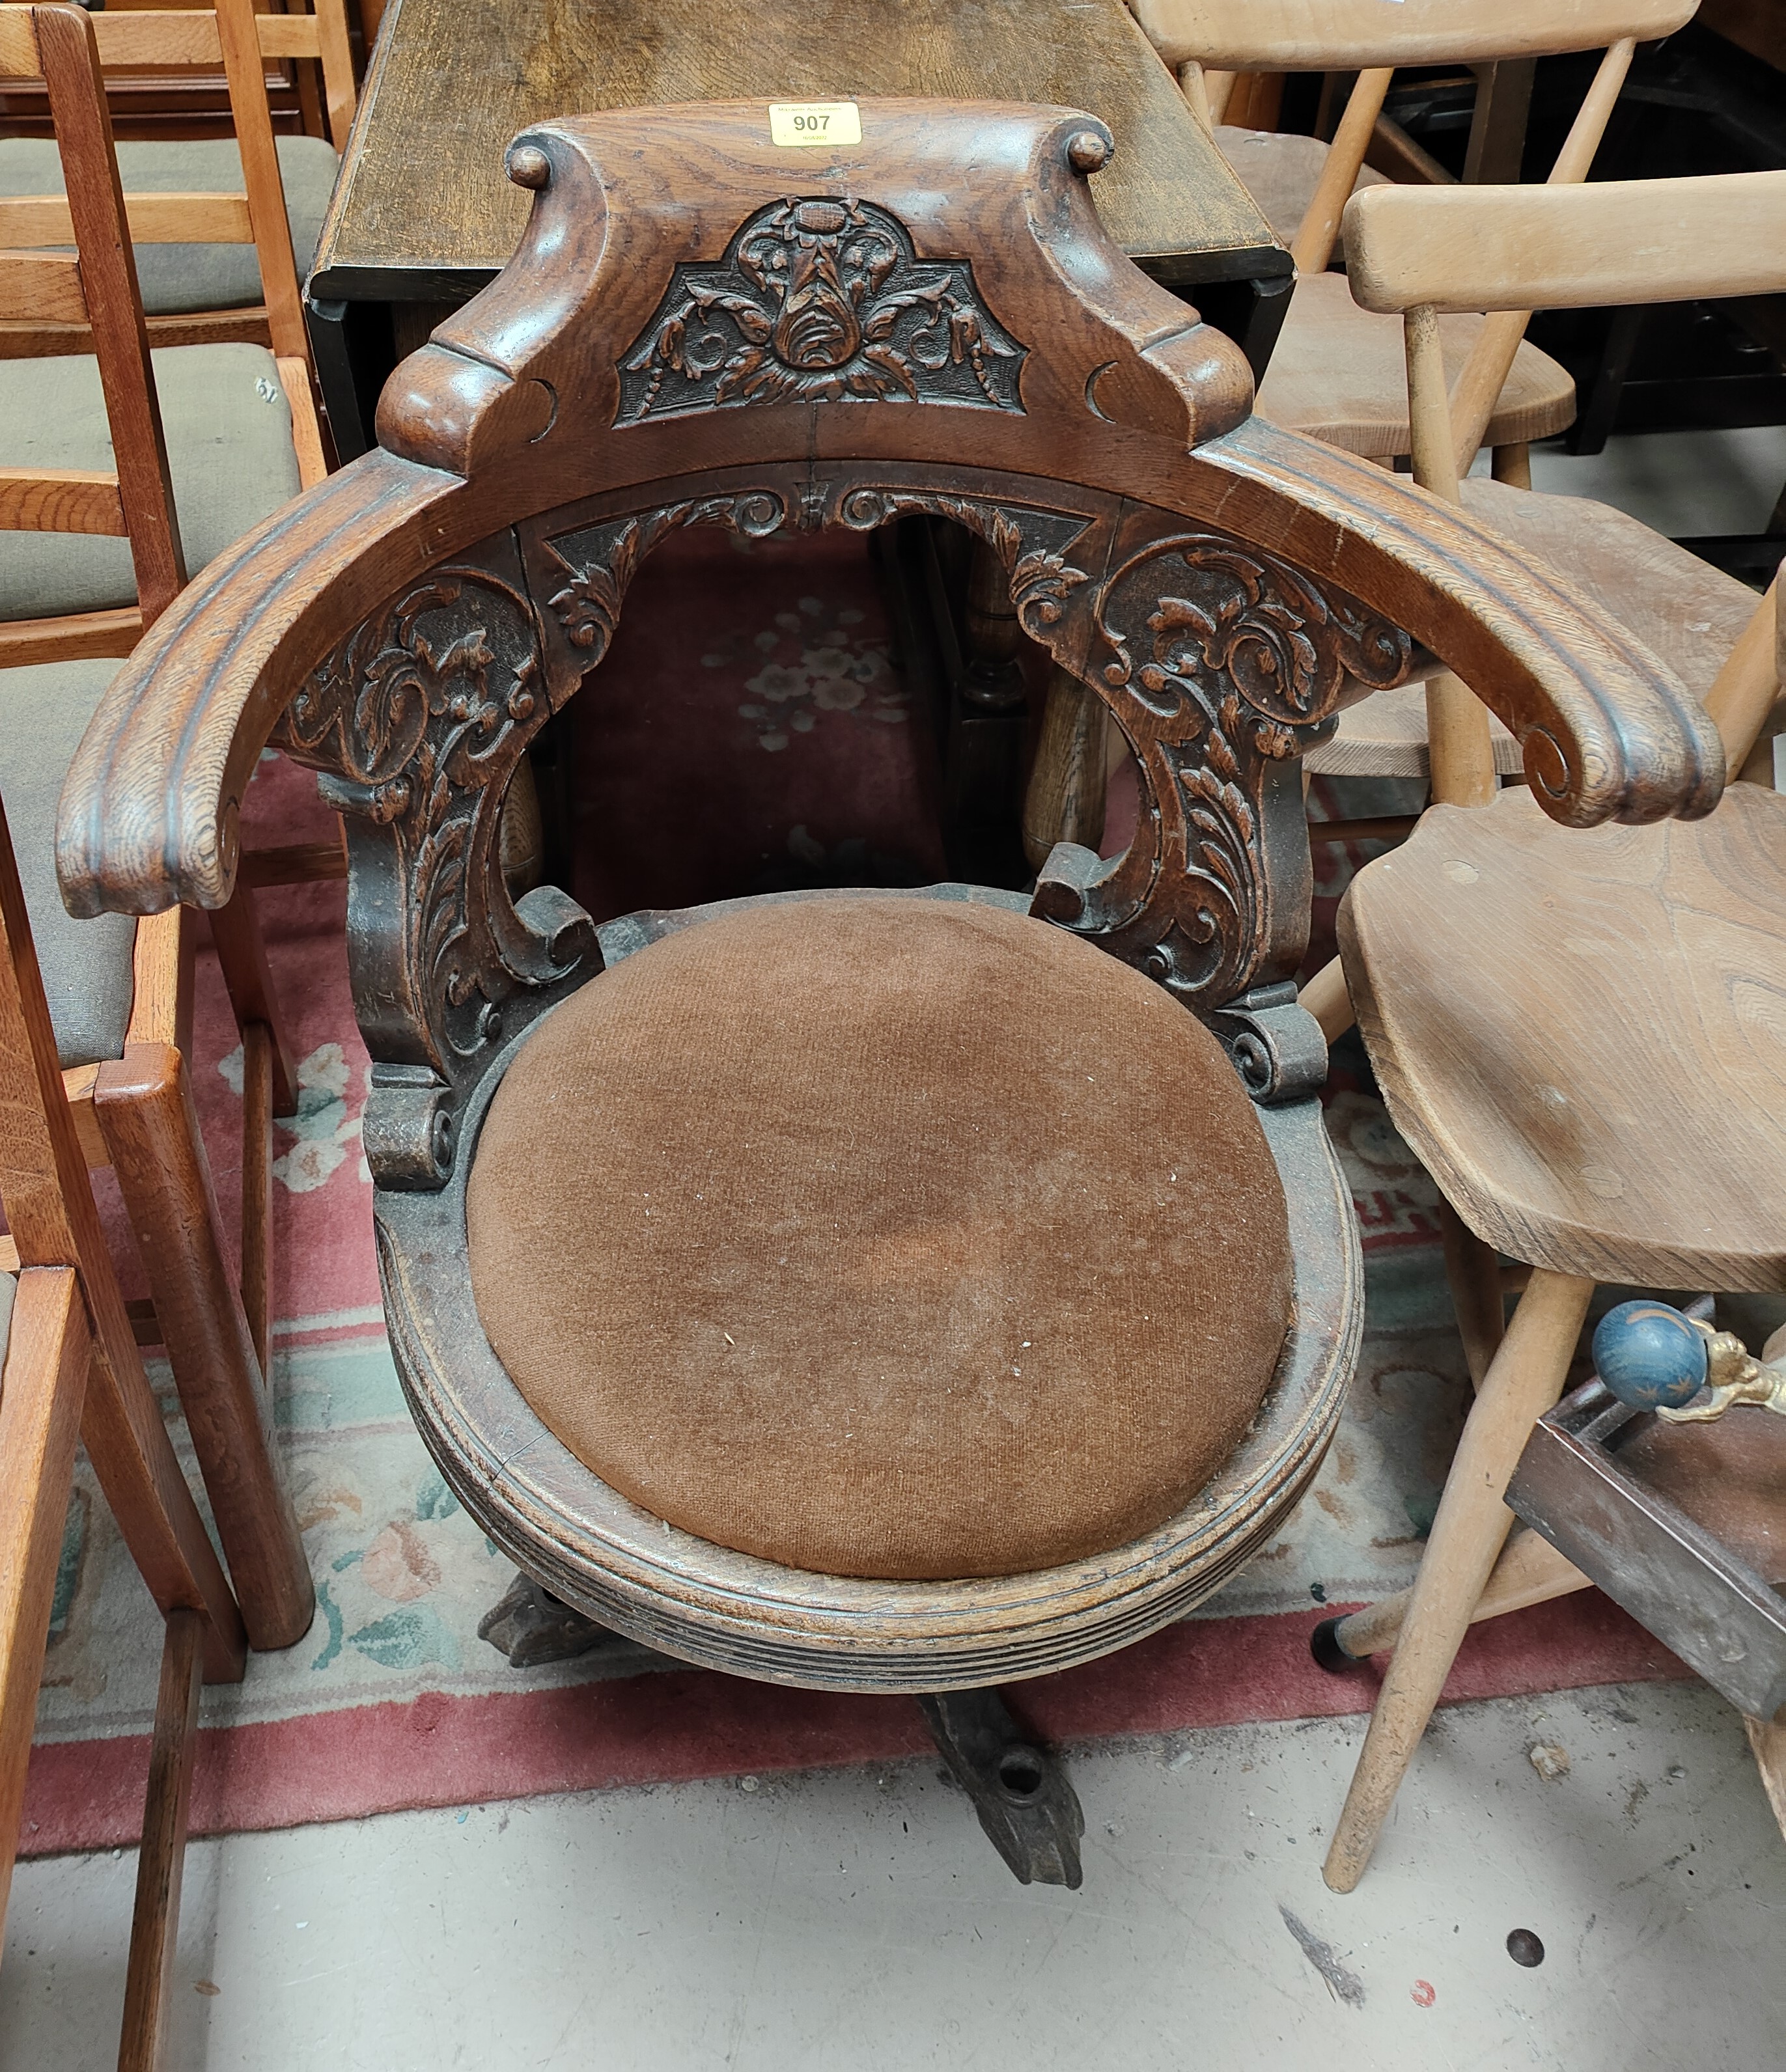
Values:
[(893, 1237)]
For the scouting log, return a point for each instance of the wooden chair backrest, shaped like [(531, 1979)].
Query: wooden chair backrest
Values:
[(156, 40), (161, 40), (97, 286), (1207, 37), (1561, 248), (1349, 35), (1418, 251)]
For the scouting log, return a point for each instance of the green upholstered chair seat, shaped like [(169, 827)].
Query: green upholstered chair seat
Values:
[(176, 279), (228, 432), (86, 965), (903, 1238)]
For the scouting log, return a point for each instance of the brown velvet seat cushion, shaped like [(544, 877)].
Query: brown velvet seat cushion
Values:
[(900, 1238)]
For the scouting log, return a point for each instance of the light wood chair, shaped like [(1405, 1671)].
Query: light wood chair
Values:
[(1576, 1035), (121, 999), (69, 1370), (1337, 371), (1683, 609), (211, 288), (784, 1446)]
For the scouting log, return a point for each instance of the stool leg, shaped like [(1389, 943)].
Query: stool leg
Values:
[(1472, 1269), (1524, 1382), (1530, 1571), (1768, 1738)]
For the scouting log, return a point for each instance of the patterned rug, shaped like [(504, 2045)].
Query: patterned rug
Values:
[(749, 731)]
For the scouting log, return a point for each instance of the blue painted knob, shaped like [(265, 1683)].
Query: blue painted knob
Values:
[(1649, 1355)]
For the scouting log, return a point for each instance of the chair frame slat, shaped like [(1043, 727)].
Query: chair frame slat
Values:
[(61, 499)]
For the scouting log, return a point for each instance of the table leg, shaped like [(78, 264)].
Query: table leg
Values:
[(1252, 312), (328, 341)]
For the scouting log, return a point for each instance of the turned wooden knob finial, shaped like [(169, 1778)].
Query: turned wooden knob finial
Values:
[(528, 167), (1087, 150)]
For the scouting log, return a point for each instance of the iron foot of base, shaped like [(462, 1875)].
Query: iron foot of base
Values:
[(1025, 1799), (530, 1626)]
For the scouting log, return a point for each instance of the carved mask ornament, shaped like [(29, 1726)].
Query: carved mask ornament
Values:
[(819, 300)]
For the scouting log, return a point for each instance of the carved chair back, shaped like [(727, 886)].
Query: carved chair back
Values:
[(703, 327)]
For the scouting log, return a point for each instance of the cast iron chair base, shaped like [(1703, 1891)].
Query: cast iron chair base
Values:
[(1025, 1800), (1022, 1794), (531, 1627)]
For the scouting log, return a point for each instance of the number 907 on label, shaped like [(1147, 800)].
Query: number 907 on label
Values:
[(814, 122)]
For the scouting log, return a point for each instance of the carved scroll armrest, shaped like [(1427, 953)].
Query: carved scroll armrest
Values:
[(1608, 731), (150, 810)]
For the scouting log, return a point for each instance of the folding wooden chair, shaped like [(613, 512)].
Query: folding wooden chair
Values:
[(71, 1369)]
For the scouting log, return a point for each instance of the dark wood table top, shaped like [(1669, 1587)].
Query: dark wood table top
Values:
[(423, 210)]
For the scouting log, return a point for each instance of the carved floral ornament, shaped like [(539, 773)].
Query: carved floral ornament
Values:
[(819, 300)]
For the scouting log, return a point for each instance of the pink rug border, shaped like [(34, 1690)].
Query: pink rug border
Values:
[(676, 1726)]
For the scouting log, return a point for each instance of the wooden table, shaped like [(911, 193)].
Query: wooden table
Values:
[(423, 216)]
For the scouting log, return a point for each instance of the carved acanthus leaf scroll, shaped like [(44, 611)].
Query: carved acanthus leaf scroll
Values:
[(1032, 545), (1222, 663), (418, 719), (819, 300), (601, 561)]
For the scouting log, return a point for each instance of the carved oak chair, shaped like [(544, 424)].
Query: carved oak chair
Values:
[(1531, 1006), (69, 1369), (120, 996), (881, 1293)]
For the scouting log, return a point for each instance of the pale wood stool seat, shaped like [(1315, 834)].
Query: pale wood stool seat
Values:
[(1384, 734), (1338, 373), (1281, 170), (1530, 1102), (1686, 612)]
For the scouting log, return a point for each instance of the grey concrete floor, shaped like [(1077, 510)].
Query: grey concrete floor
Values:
[(856, 1919), (1686, 484)]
